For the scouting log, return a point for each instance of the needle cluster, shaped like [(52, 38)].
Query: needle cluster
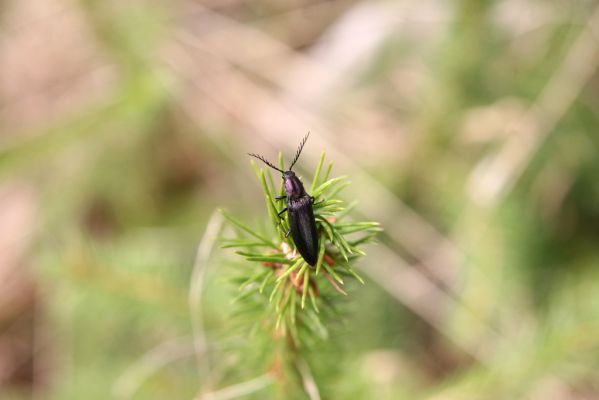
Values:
[(295, 295)]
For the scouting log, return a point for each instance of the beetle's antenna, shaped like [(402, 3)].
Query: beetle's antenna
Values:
[(265, 161), (299, 150)]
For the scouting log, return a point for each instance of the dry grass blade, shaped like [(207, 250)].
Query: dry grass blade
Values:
[(496, 175), (196, 288), (238, 390), (308, 380), (165, 353)]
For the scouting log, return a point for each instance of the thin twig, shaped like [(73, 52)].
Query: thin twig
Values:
[(239, 389), (335, 284), (495, 176), (196, 289), (149, 363), (308, 380), (410, 287)]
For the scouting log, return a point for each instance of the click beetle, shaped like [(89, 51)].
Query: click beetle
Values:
[(302, 224)]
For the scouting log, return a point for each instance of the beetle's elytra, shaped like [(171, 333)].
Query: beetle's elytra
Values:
[(302, 225)]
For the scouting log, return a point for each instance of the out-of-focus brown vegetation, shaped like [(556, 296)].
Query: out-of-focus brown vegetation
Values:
[(469, 129)]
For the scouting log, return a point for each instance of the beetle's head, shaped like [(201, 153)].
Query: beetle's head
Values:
[(293, 186)]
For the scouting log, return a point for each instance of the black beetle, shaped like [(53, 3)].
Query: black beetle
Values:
[(302, 225)]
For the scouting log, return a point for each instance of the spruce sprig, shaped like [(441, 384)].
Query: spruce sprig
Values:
[(279, 274)]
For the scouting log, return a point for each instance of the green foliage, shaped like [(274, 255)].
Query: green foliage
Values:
[(280, 274), (297, 301), (124, 180)]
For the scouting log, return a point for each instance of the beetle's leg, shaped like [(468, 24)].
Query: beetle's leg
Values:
[(280, 197), (312, 199), (281, 212)]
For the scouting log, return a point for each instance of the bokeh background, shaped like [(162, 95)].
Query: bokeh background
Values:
[(469, 128)]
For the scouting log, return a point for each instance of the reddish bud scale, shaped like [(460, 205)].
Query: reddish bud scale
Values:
[(295, 280), (298, 282), (329, 260), (271, 264)]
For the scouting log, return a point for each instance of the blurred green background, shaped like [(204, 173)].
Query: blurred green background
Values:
[(470, 130)]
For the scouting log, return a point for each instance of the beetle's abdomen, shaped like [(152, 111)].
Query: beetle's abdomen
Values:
[(303, 228)]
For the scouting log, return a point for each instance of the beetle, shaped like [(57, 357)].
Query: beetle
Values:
[(302, 224)]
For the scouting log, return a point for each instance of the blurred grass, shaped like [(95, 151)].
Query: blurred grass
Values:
[(126, 182)]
